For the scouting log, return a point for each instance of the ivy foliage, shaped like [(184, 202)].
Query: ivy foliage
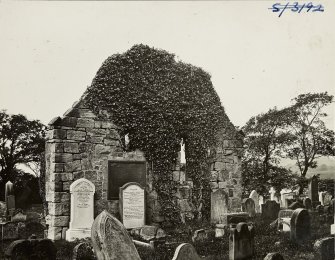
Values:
[(159, 101)]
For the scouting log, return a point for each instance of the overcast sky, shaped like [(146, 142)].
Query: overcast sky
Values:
[(50, 51)]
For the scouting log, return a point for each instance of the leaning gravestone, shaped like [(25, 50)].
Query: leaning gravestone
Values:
[(248, 205), (273, 256), (185, 252), (132, 205), (219, 206), (241, 242), (300, 226), (110, 239), (270, 210), (255, 197), (82, 203), (324, 249)]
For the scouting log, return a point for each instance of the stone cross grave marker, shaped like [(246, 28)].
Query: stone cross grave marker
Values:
[(132, 205), (110, 239), (82, 207), (313, 189), (270, 210), (248, 205), (300, 226), (219, 206), (255, 197), (185, 251), (272, 194), (241, 242)]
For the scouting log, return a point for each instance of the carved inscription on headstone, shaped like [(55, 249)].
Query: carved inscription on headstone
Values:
[(132, 205), (82, 203)]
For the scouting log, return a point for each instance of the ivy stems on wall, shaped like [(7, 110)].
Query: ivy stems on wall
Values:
[(158, 101)]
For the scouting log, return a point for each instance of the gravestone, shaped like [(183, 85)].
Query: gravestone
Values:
[(272, 194), (284, 219), (327, 200), (132, 205), (273, 256), (321, 197), (324, 249), (270, 210), (285, 194), (32, 248), (255, 197), (296, 205), (82, 204), (313, 189), (185, 251), (9, 198), (219, 206), (300, 226), (307, 203), (261, 202), (10, 231), (110, 239), (248, 205), (19, 217), (241, 242), (83, 251)]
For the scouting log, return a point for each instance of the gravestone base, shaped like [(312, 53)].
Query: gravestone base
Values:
[(78, 233)]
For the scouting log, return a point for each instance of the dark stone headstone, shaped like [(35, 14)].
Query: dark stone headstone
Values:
[(324, 249), (300, 226), (110, 239), (296, 205), (185, 252), (248, 205), (313, 188), (219, 206), (83, 251), (10, 231), (307, 203), (270, 210), (273, 256), (37, 249), (241, 242)]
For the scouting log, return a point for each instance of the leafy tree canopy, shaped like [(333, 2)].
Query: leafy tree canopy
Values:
[(21, 142)]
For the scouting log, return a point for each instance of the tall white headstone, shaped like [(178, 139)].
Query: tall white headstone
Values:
[(132, 205), (82, 209), (261, 201), (321, 197), (255, 197), (272, 194)]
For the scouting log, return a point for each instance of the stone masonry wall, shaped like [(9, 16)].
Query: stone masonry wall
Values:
[(80, 145)]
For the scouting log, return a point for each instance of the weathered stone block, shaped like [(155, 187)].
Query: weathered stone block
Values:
[(66, 185), (96, 139), (58, 167), (68, 121), (57, 134), (64, 176), (71, 147), (76, 135), (113, 134), (72, 166), (78, 175), (214, 176), (102, 149), (85, 122), (59, 221), (219, 166), (107, 125), (55, 233), (61, 197), (62, 157), (57, 209)]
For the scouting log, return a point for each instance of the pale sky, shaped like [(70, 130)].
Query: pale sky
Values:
[(50, 51)]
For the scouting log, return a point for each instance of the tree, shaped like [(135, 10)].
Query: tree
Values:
[(264, 140), (21, 142), (310, 138)]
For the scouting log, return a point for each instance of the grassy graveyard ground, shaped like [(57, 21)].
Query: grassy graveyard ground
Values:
[(266, 240)]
